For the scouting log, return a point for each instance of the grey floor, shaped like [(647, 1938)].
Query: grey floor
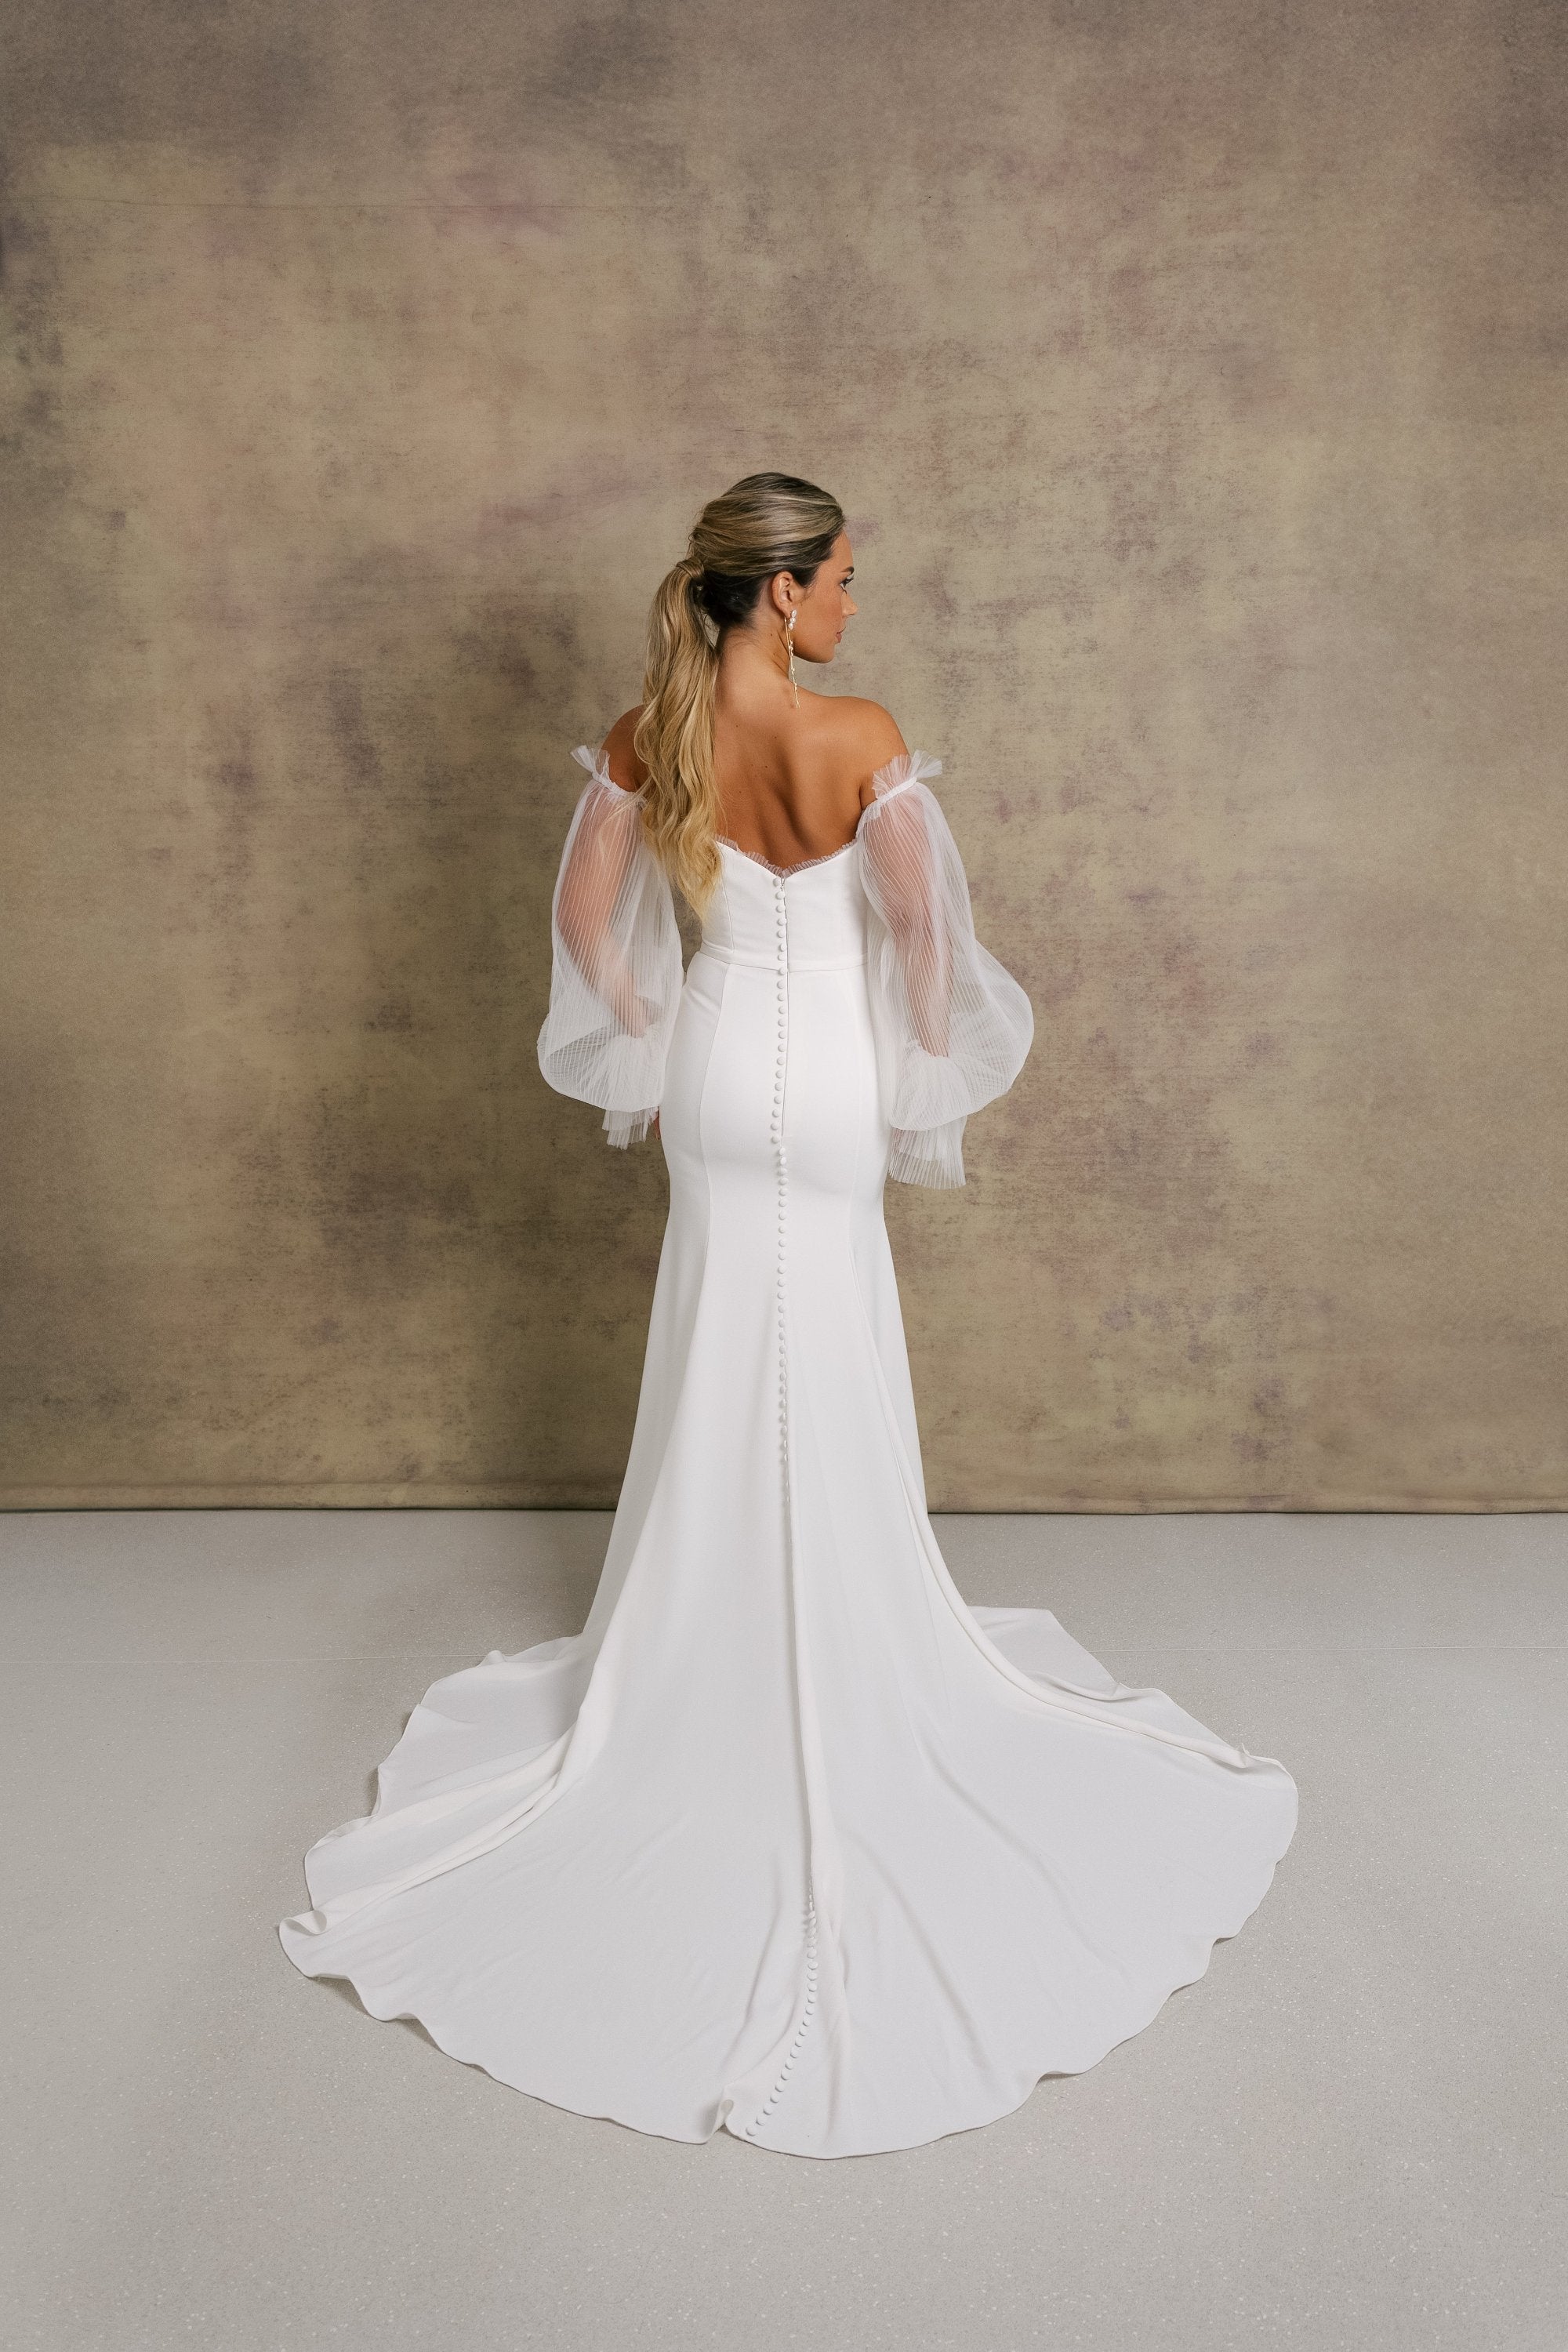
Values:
[(1350, 2133)]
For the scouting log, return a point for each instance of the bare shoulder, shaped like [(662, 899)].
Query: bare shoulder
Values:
[(626, 769), (863, 734)]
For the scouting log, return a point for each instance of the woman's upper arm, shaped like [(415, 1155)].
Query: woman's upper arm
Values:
[(626, 769), (874, 739)]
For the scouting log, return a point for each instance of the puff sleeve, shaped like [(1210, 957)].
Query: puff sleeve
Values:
[(953, 1027), (616, 968)]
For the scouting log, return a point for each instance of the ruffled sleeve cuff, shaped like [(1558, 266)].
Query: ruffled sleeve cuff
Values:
[(626, 1126), (932, 1156)]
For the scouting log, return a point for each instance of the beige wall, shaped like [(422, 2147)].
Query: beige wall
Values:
[(1194, 375)]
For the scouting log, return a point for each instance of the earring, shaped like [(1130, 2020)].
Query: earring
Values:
[(792, 688)]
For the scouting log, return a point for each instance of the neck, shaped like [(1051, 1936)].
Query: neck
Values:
[(753, 664)]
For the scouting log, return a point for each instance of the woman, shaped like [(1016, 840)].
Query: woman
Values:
[(787, 1840)]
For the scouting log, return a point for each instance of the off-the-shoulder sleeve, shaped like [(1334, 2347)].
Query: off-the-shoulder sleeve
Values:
[(953, 1027), (615, 968)]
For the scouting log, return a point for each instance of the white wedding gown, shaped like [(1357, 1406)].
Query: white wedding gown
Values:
[(788, 1841)]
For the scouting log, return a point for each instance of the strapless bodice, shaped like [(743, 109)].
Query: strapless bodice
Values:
[(808, 917)]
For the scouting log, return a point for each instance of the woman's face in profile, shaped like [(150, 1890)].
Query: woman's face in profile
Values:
[(826, 604)]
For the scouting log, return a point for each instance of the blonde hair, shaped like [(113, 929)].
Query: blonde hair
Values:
[(767, 523)]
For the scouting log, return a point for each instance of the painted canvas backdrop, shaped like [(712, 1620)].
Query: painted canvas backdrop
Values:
[(1193, 378)]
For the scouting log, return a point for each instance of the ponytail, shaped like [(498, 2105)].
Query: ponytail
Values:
[(674, 736), (766, 524)]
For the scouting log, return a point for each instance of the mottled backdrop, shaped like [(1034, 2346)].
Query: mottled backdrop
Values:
[(1194, 374)]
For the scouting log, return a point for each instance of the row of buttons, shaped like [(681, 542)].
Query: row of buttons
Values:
[(780, 1164), (807, 2015)]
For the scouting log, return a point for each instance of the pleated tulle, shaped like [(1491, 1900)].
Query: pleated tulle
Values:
[(953, 1027), (614, 983)]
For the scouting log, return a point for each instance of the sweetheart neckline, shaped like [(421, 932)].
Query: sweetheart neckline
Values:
[(783, 873)]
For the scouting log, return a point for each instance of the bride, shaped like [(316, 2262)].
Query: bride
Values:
[(788, 1841)]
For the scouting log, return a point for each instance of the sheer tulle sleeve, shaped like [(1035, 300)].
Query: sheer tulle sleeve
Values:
[(952, 1028), (615, 970)]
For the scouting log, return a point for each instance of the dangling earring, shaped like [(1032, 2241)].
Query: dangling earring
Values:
[(792, 688)]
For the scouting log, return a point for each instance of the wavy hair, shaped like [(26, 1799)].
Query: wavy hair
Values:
[(765, 524)]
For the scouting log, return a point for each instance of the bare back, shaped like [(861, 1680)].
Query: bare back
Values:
[(791, 782)]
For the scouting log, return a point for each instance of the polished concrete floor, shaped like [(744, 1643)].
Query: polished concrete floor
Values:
[(1351, 2132)]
